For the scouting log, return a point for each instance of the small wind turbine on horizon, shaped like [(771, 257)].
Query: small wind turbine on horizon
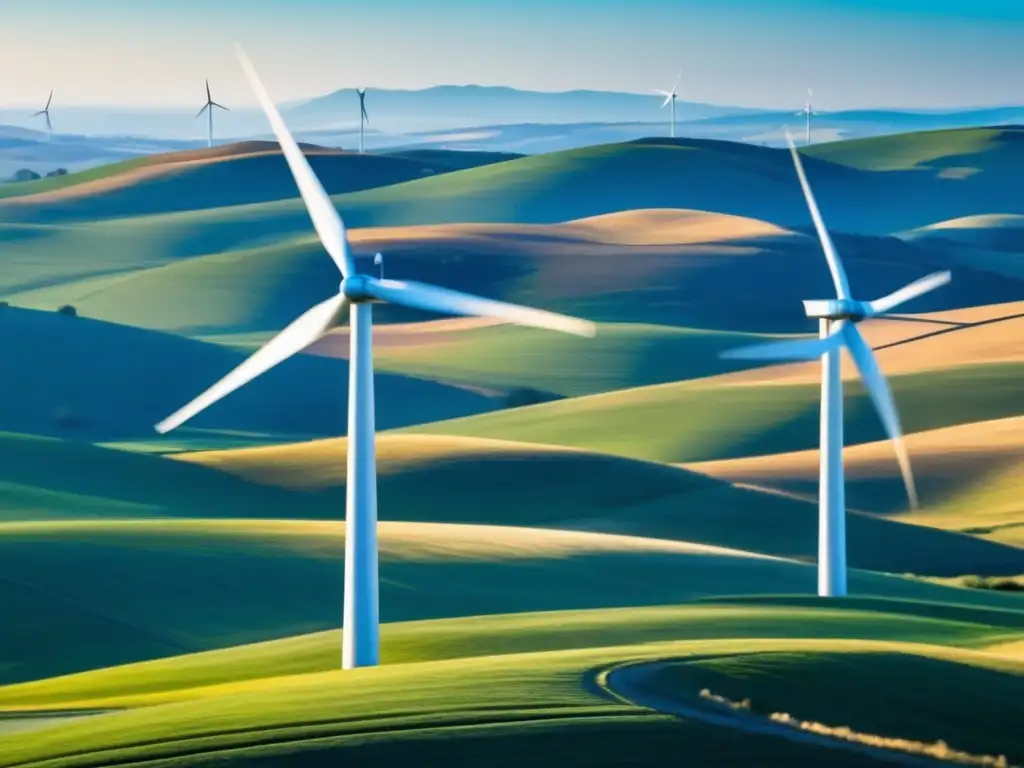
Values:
[(670, 98), (364, 118), (45, 111), (208, 107), (357, 294), (837, 328), (807, 111)]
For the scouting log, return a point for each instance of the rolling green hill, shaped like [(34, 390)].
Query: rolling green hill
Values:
[(235, 174), (203, 674), (558, 706), (85, 379), (711, 420), (992, 242), (428, 478), (199, 276)]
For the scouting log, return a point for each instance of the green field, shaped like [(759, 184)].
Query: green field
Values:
[(719, 422), (555, 586), (548, 704)]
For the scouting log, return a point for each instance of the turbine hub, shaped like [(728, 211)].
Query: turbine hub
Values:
[(355, 289), (836, 309)]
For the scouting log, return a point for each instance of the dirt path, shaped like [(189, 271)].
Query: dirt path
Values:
[(627, 685)]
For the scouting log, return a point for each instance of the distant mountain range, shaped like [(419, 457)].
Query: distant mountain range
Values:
[(489, 118)]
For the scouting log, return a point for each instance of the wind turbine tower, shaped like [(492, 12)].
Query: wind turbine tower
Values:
[(45, 112), (807, 111), (364, 118), (208, 108), (837, 328), (670, 98), (357, 293)]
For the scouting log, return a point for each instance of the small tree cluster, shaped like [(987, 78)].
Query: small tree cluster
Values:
[(68, 310)]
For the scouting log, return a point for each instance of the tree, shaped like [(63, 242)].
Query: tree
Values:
[(58, 172), (25, 174), (520, 396), (68, 310)]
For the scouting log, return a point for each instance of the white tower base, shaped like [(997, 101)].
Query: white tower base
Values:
[(360, 645), (831, 496)]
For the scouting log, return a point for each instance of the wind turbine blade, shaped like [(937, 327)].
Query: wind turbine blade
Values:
[(209, 98), (219, 106), (366, 117), (201, 111), (679, 77), (446, 301), (908, 292), (48, 100), (798, 349), (880, 393), (49, 125), (666, 101), (663, 93), (302, 332), (835, 266), (40, 112), (328, 224)]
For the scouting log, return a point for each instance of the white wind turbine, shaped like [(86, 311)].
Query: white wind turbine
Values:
[(364, 118), (358, 292), (807, 111), (208, 108), (45, 112), (670, 98), (837, 319)]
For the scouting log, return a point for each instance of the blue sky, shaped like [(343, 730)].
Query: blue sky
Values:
[(764, 53)]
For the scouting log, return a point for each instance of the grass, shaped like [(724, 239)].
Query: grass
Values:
[(200, 675), (969, 702), (86, 379), (427, 478), (542, 704), (197, 180), (133, 590), (718, 422), (969, 478)]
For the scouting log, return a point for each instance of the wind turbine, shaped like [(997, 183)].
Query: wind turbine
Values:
[(45, 111), (357, 292), (807, 111), (670, 98), (837, 319), (363, 117), (208, 107)]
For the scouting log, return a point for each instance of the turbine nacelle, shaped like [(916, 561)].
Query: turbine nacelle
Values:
[(358, 289), (837, 309)]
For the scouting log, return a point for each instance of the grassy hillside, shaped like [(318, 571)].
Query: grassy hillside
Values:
[(434, 479), (710, 420), (201, 275), (993, 242), (970, 477), (235, 174), (548, 705), (204, 674), (131, 590), (966, 701), (81, 378)]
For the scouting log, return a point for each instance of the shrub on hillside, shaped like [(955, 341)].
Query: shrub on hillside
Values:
[(521, 396), (68, 310), (58, 172), (25, 174)]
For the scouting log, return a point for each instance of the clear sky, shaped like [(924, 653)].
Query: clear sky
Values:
[(761, 53)]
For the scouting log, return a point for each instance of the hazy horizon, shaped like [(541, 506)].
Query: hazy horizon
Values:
[(891, 54)]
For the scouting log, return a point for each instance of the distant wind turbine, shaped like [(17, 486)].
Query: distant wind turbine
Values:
[(807, 111), (208, 108), (670, 98), (46, 113), (357, 293), (364, 118), (837, 328)]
